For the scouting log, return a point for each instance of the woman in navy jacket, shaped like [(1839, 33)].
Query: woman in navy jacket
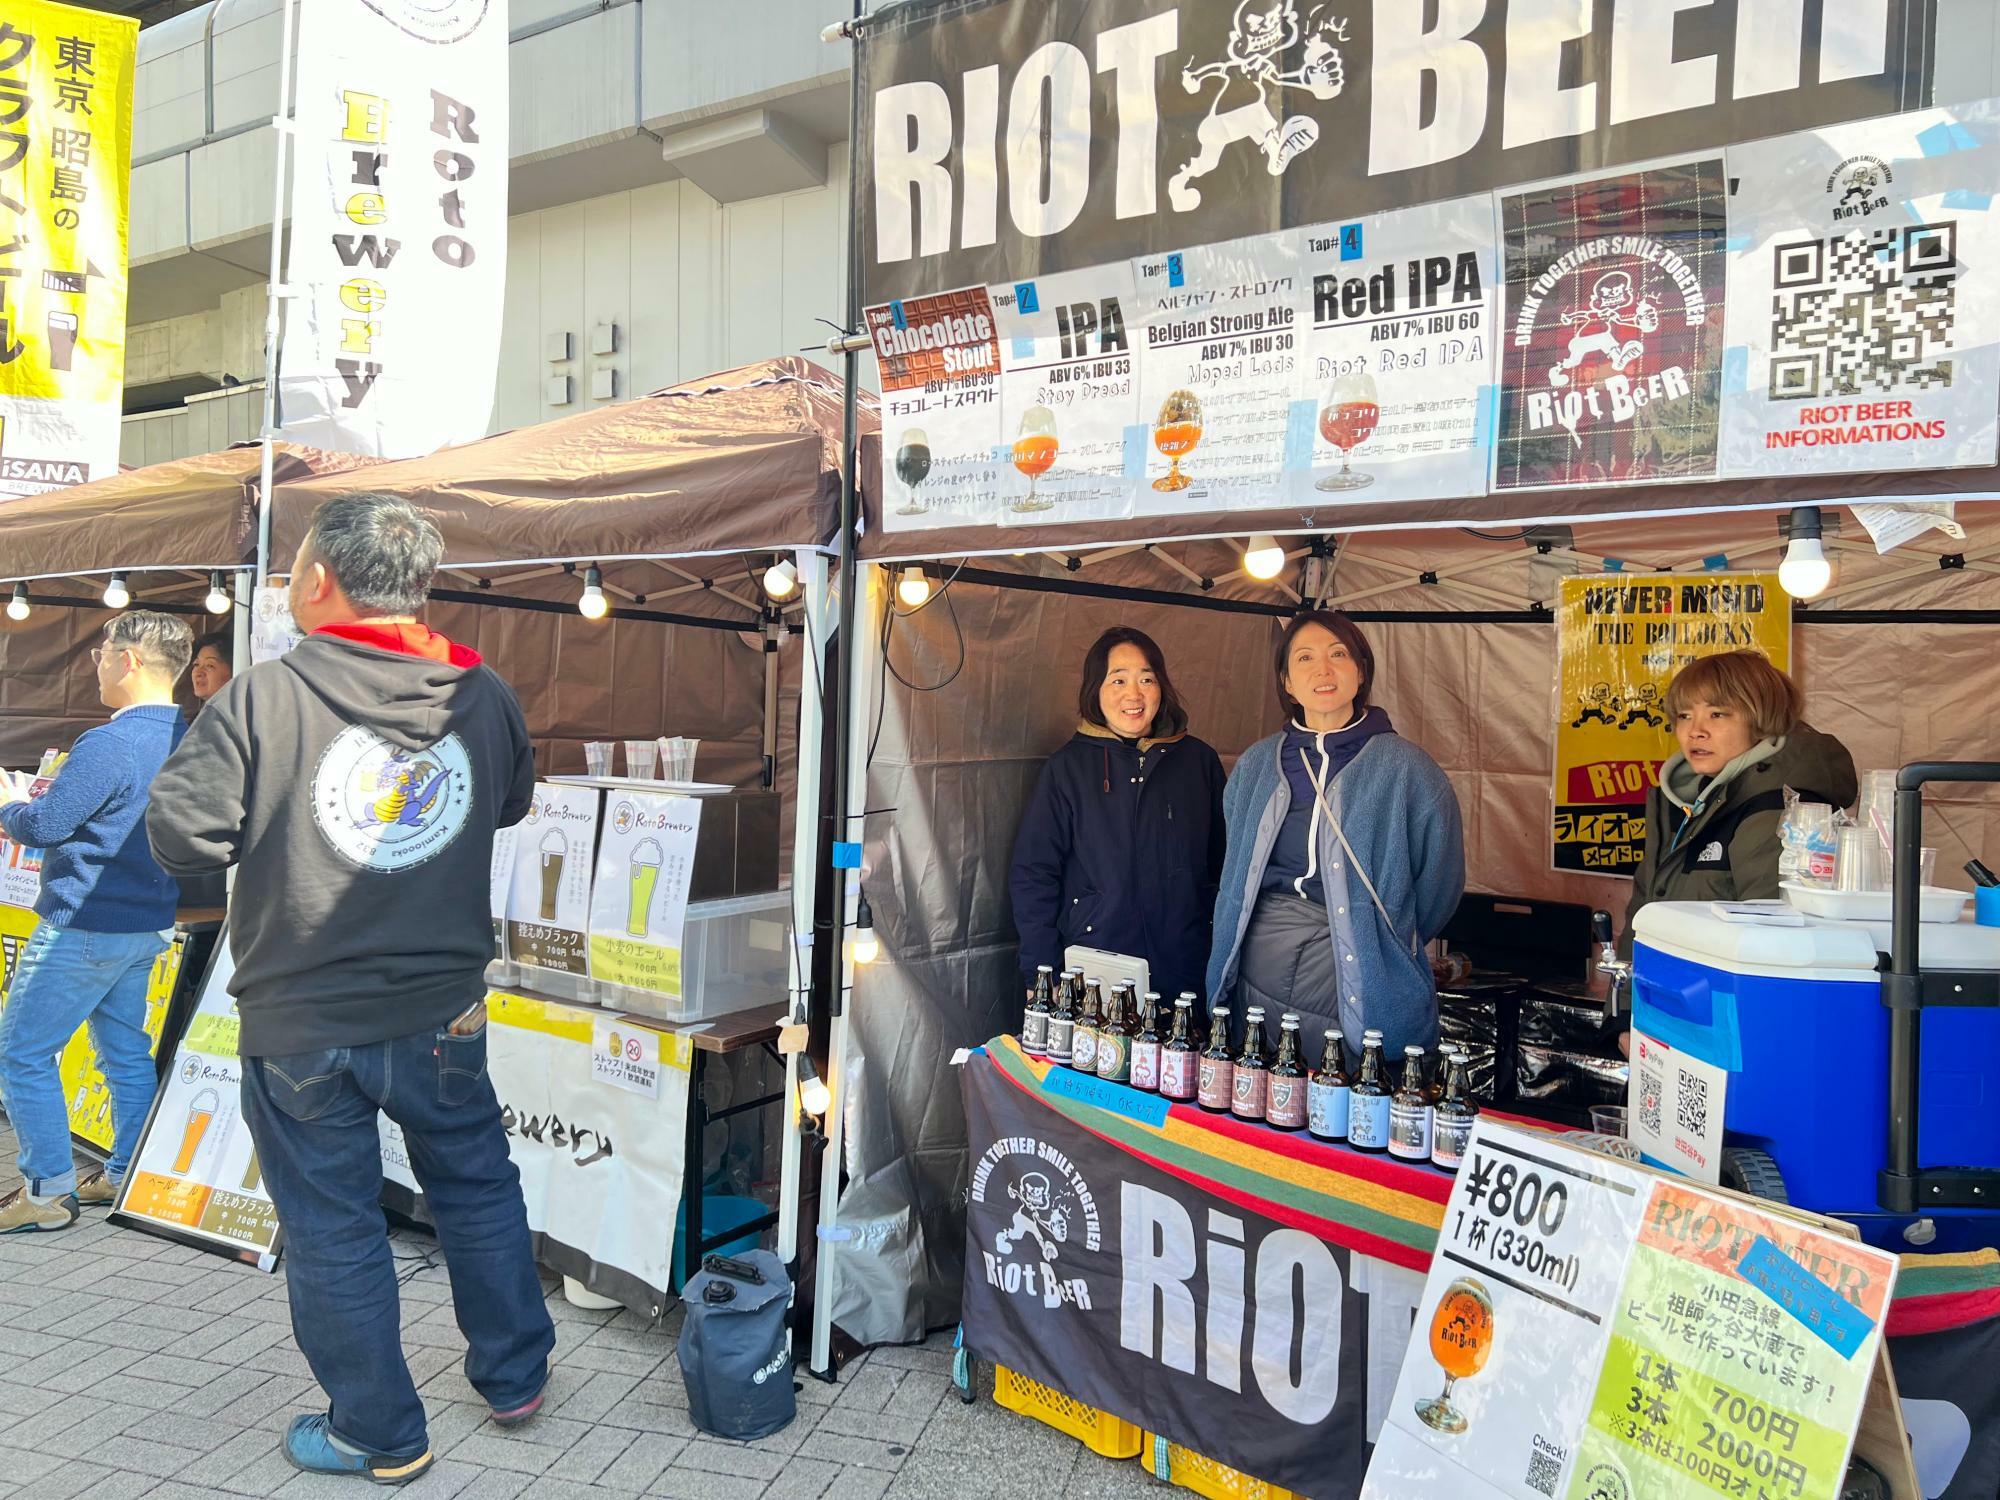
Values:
[(1122, 845)]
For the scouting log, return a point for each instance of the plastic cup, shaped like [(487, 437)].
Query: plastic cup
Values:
[(641, 759), (677, 757), (597, 757), (1609, 1119)]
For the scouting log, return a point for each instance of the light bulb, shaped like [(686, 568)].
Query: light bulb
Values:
[(914, 589), (1264, 559), (592, 604), (1805, 572), (867, 947), (116, 595), (17, 607), (781, 578), (217, 602), (815, 1098)]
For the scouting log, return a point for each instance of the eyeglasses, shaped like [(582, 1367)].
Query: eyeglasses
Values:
[(98, 653)]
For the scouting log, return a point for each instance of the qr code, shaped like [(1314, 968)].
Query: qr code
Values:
[(1691, 1108), (1543, 1473), (1650, 1093), (1868, 311)]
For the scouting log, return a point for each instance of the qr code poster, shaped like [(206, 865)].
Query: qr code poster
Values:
[(1864, 314), (941, 454), (1675, 1109), (1611, 345)]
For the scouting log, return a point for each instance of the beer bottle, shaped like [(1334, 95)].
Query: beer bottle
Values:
[(1146, 1046), (1368, 1101), (1177, 1056), (1452, 1128), (1114, 1040), (1216, 1074), (1326, 1093), (1035, 1023), (1083, 1048), (1250, 1086), (1062, 1025), (1410, 1111), (1434, 1077), (1286, 1106)]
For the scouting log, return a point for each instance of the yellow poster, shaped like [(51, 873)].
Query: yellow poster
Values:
[(65, 164), (84, 1088), (1621, 637)]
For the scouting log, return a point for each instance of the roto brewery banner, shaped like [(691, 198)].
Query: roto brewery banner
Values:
[(1007, 140), (399, 224), (1611, 365), (1620, 640), (65, 162)]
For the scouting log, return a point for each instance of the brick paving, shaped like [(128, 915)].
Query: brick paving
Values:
[(131, 1366)]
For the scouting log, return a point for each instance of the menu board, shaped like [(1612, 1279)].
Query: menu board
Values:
[(548, 906), (939, 359), (638, 904)]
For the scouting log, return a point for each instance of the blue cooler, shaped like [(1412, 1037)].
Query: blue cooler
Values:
[(1794, 1015)]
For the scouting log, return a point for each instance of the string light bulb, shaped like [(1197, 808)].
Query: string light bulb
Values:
[(116, 595), (781, 579), (1264, 559), (867, 947), (217, 602), (815, 1098), (17, 607), (1805, 573), (592, 604), (914, 589)]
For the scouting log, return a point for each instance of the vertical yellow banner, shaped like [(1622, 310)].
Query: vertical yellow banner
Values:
[(65, 167)]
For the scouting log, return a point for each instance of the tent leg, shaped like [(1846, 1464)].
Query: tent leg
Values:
[(864, 650), (773, 633), (273, 323)]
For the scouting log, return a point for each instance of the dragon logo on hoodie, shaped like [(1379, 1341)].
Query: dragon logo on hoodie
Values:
[(387, 808)]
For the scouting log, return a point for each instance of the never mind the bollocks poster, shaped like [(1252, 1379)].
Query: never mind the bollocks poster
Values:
[(1611, 351)]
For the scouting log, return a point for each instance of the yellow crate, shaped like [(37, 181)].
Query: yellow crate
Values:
[(1191, 1471), (1097, 1430)]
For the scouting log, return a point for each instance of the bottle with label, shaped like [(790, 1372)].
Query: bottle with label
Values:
[(1178, 1062), (1250, 1086), (1327, 1091), (1041, 1007), (1083, 1047), (1368, 1100), (1114, 1039), (1146, 1046), (1452, 1127), (1062, 1025), (1215, 1077), (1285, 1108), (1410, 1111), (1433, 1078)]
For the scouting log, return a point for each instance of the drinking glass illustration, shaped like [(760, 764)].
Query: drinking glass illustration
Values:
[(1347, 416), (913, 466), (1175, 434), (1461, 1340), (200, 1113), (646, 859), (254, 1173), (1035, 454), (555, 847)]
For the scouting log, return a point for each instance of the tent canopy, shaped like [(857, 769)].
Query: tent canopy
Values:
[(743, 461)]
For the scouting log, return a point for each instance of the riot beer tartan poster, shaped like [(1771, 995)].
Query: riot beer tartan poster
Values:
[(1612, 346)]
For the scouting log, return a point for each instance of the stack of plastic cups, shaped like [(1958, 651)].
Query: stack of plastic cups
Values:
[(1876, 813), (641, 756), (597, 757), (677, 757)]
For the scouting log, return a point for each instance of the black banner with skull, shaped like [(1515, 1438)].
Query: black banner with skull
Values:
[(1006, 139)]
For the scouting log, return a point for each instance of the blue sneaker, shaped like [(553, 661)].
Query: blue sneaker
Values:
[(311, 1446)]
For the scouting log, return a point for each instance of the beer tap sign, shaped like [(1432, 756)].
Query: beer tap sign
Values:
[(638, 905)]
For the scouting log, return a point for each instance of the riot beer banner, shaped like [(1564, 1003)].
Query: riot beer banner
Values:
[(399, 225), (65, 169)]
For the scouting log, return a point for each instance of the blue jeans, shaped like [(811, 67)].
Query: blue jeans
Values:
[(312, 1116), (67, 977)]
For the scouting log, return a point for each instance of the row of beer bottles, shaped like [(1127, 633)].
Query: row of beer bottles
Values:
[(1073, 1024)]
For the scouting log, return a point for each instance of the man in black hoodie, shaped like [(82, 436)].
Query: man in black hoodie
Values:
[(356, 783)]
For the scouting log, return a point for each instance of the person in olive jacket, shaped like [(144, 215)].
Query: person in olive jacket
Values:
[(1712, 822), (1122, 844)]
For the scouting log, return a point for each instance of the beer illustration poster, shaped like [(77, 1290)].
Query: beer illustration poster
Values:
[(1865, 343), (1069, 410), (548, 908), (1611, 364), (638, 905), (1620, 638), (1497, 1380), (1392, 398), (1217, 341), (939, 359)]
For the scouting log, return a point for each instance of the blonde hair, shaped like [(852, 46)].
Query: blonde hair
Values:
[(1745, 681)]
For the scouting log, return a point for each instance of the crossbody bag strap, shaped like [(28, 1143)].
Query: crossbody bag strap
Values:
[(1319, 795)]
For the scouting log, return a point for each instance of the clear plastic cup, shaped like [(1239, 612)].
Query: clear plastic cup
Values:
[(1609, 1119), (597, 757), (677, 756), (641, 759)]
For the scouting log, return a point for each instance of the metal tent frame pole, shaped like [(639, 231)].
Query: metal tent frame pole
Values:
[(273, 318)]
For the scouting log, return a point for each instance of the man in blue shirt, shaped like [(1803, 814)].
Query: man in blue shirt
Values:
[(106, 911)]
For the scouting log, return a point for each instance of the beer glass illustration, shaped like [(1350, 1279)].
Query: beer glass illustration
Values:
[(201, 1113), (555, 849), (646, 860), (913, 466), (1461, 1340), (1175, 434), (1347, 416), (1035, 454), (254, 1173)]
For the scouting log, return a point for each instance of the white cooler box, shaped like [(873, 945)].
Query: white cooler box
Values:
[(733, 957)]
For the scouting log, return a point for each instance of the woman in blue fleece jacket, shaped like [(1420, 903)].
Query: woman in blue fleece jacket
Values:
[(1296, 925)]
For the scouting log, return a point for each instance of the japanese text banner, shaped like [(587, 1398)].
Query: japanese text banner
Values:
[(65, 162)]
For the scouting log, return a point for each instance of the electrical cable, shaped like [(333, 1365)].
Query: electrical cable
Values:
[(1498, 536)]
